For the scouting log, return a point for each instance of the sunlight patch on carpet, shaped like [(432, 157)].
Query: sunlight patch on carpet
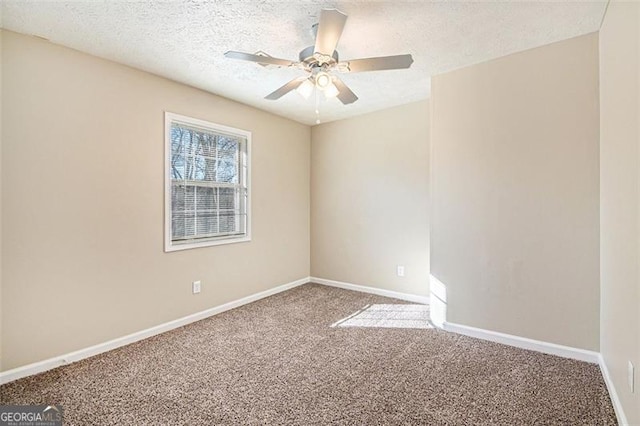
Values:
[(388, 316)]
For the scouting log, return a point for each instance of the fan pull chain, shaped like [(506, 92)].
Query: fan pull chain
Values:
[(317, 106)]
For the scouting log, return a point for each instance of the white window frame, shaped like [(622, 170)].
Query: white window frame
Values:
[(169, 245)]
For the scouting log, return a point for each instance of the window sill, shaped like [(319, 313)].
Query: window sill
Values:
[(177, 247)]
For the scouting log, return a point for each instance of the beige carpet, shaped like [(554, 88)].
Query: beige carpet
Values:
[(289, 359)]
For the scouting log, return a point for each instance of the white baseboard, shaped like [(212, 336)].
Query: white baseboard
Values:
[(617, 405), (372, 290), (524, 343), (51, 363)]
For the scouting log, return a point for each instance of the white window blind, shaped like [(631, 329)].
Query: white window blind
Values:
[(207, 183)]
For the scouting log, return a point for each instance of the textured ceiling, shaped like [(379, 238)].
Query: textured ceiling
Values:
[(184, 40)]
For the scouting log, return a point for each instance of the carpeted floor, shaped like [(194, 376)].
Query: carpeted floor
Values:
[(280, 361)]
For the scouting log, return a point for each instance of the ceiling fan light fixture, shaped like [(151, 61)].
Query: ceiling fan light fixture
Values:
[(323, 80), (305, 89), (331, 91), (321, 62)]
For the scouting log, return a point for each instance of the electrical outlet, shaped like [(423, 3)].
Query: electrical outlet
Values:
[(195, 287), (400, 270), (630, 374)]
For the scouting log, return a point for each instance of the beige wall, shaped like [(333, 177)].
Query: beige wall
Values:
[(1, 196), (82, 176), (514, 225), (619, 198), (370, 198)]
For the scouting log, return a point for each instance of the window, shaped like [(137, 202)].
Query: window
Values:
[(207, 183)]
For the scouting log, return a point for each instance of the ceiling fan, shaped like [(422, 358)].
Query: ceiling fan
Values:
[(321, 61)]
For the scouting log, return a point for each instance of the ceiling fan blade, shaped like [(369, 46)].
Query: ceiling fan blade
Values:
[(379, 64), (345, 94), (329, 31), (258, 58), (292, 85)]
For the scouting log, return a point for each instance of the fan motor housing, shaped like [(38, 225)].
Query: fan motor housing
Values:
[(315, 60)]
